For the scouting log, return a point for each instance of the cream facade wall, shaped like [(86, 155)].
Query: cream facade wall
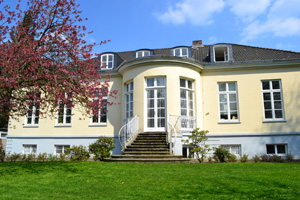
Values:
[(80, 126), (250, 100), (172, 72)]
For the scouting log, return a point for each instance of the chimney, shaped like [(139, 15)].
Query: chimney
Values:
[(197, 43)]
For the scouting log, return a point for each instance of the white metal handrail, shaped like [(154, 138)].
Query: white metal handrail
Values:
[(128, 132)]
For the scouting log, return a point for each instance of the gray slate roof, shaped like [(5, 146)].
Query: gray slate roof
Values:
[(241, 53)]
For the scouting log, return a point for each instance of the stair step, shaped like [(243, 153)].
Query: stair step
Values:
[(146, 153), (148, 146), (146, 149), (145, 156), (149, 160)]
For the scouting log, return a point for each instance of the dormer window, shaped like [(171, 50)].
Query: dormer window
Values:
[(221, 53), (107, 61), (181, 52), (140, 54)]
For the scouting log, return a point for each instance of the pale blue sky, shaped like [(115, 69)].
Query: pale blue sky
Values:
[(136, 24)]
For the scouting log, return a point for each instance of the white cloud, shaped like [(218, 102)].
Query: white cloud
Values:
[(282, 20), (196, 12), (248, 9)]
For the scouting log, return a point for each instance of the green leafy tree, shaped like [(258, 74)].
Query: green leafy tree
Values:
[(102, 147), (197, 144)]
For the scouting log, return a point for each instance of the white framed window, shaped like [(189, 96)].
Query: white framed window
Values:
[(129, 100), (61, 149), (181, 52), (107, 61), (272, 100), (187, 112), (234, 149), (64, 115), (221, 54), (100, 118), (277, 149), (33, 112), (140, 54), (228, 102), (29, 149)]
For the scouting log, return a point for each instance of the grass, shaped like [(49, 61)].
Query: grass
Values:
[(98, 180)]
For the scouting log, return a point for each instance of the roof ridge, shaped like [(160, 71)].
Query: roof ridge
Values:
[(282, 50)]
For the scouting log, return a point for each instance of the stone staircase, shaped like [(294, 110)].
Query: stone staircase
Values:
[(148, 148)]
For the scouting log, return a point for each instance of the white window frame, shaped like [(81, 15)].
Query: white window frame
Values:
[(105, 64), (271, 91), (276, 150), (101, 113), (32, 149), (227, 93), (143, 52), (188, 121), (226, 53), (155, 87), (180, 52), (35, 109), (65, 115), (235, 149), (64, 148), (129, 87)]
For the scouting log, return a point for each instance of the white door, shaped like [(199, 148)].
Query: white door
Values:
[(156, 104)]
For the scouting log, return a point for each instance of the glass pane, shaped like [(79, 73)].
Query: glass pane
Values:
[(224, 115), (190, 95), (150, 123), (276, 96), (281, 149), (275, 85), (150, 93), (182, 83), (223, 98), (161, 103), (69, 111), (60, 120), (222, 87), (104, 58), (183, 103), (191, 113), (29, 120), (233, 106), (160, 81), (33, 150), (223, 107), (161, 112), (36, 120), (233, 115), (131, 97), (177, 52), (277, 104), (139, 54), (110, 58), (161, 123), (184, 52), (68, 120), (160, 93), (268, 105), (265, 85), (232, 97), (183, 112), (103, 118), (95, 119), (190, 84), (183, 94), (110, 65), (191, 104), (150, 112), (231, 87), (146, 53), (150, 103), (150, 82), (270, 149), (131, 86), (267, 96), (268, 114), (278, 113)]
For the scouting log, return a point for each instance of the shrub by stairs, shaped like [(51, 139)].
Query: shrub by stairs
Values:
[(148, 148)]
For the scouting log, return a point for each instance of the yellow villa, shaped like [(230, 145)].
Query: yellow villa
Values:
[(246, 97)]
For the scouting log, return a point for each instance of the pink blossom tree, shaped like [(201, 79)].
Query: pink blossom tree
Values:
[(44, 58)]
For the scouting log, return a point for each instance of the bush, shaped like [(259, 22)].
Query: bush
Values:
[(2, 151), (277, 158), (210, 159), (52, 157), (102, 147), (197, 144), (13, 157), (244, 158), (62, 157), (42, 157), (29, 157), (290, 157), (232, 158), (78, 153), (256, 159), (265, 158), (221, 154)]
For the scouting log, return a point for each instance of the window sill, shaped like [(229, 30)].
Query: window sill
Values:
[(63, 125), (30, 126), (229, 122), (97, 125), (274, 121)]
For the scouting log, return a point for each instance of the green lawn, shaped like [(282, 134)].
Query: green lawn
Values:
[(98, 180)]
